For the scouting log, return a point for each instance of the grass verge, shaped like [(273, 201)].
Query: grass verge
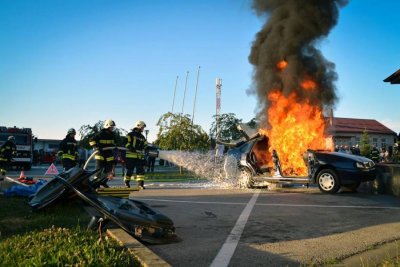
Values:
[(56, 236)]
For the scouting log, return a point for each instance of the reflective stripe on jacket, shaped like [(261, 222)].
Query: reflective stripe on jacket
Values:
[(7, 151), (136, 144), (68, 148), (103, 139)]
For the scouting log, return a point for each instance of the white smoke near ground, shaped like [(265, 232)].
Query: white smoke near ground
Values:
[(219, 171)]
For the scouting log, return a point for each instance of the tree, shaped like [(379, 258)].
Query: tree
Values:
[(365, 147), (176, 132), (227, 127), (87, 132)]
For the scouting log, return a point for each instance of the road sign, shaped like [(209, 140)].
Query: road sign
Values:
[(52, 170)]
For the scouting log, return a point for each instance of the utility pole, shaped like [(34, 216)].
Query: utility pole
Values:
[(183, 104), (173, 100), (195, 94), (218, 83), (184, 93)]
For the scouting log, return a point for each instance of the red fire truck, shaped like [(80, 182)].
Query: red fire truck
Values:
[(24, 143)]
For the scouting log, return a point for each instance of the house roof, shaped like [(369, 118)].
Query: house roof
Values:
[(394, 78), (348, 125)]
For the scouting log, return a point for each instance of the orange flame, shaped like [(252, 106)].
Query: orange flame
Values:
[(308, 85), (295, 127), (281, 65)]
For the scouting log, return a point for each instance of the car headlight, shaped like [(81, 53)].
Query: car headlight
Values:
[(369, 164), (360, 165), (365, 165)]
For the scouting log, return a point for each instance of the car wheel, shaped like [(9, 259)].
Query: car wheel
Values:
[(328, 181), (245, 178)]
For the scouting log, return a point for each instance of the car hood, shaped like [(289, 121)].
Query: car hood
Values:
[(342, 155)]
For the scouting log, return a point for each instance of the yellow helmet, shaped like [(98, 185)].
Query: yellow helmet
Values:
[(140, 124), (108, 124)]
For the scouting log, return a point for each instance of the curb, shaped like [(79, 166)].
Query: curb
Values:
[(373, 257), (145, 256)]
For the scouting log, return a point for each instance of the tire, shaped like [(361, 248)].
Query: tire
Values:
[(246, 179), (328, 181)]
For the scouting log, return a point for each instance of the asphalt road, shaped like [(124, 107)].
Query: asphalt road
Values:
[(290, 227), (299, 226)]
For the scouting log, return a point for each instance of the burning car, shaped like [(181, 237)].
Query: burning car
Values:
[(329, 170)]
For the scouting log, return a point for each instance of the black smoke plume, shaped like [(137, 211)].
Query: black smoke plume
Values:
[(292, 31)]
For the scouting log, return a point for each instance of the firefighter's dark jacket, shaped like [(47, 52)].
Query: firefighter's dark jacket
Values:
[(68, 148), (7, 151), (103, 139), (136, 144), (375, 155)]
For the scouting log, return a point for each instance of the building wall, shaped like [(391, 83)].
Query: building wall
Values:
[(351, 139), (47, 145)]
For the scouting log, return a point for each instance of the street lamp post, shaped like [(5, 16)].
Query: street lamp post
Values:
[(146, 132)]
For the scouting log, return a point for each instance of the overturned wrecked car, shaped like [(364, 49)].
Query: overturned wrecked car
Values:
[(329, 170), (135, 217)]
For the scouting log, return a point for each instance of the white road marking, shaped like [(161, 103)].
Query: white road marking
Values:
[(228, 248), (273, 205)]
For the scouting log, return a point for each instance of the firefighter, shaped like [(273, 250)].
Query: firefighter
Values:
[(135, 155), (375, 154), (105, 158), (396, 152), (7, 151), (68, 150)]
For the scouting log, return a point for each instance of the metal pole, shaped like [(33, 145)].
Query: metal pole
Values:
[(184, 93), (173, 100), (195, 94), (218, 83)]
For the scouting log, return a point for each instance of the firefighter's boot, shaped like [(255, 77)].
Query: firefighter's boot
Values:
[(104, 183), (127, 184), (141, 185)]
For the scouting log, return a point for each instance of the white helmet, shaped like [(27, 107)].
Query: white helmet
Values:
[(71, 131), (140, 124), (108, 124), (11, 138)]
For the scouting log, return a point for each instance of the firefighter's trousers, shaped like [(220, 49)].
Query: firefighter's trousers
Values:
[(131, 164)]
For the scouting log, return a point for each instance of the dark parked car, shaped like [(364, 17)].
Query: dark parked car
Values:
[(329, 170)]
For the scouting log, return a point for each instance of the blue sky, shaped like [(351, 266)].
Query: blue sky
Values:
[(68, 63)]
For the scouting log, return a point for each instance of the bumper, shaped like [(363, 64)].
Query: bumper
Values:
[(355, 176)]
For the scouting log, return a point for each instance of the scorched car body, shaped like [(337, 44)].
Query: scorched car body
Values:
[(329, 170)]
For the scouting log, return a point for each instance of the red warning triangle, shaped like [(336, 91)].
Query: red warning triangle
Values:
[(52, 169)]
